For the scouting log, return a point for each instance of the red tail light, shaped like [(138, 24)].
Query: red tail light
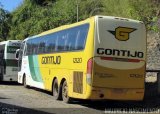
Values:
[(89, 66), (89, 70)]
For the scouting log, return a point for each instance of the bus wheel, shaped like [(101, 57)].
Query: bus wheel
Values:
[(158, 83), (65, 96), (1, 77), (55, 90), (1, 74), (24, 81)]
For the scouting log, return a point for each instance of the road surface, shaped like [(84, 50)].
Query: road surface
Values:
[(15, 99)]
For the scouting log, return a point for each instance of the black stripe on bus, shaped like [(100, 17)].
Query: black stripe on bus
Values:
[(13, 63)]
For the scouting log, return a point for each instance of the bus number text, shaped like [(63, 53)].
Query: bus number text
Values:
[(77, 60)]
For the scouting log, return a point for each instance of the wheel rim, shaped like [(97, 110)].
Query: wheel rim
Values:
[(65, 92), (55, 90)]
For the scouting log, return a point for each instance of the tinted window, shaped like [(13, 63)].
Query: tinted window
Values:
[(62, 38), (77, 37), (65, 40), (81, 38), (51, 41), (29, 47), (71, 39), (41, 46)]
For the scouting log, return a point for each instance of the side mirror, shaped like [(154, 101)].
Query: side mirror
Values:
[(17, 54)]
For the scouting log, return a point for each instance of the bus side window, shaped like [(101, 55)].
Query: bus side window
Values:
[(41, 46), (81, 37), (29, 47), (21, 51), (61, 41), (50, 45), (25, 50), (77, 39), (71, 39), (66, 47), (47, 45), (35, 45)]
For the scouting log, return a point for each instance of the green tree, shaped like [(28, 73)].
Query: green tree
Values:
[(90, 8), (147, 11), (36, 16), (119, 8), (5, 22)]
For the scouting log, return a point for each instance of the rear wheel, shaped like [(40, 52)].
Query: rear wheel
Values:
[(65, 96), (158, 83), (56, 90), (1, 74)]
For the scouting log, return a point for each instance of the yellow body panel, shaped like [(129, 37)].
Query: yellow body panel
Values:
[(67, 67)]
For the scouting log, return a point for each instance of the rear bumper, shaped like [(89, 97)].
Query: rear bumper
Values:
[(10, 78), (117, 94)]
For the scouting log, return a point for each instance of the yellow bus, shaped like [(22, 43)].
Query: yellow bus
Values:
[(102, 57)]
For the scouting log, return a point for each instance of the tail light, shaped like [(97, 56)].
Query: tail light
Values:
[(89, 70)]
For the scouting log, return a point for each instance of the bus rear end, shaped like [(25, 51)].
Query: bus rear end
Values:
[(11, 64), (119, 60)]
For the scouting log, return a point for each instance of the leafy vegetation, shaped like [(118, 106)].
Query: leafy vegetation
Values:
[(35, 16), (5, 24)]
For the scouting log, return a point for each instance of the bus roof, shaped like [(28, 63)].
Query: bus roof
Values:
[(4, 42)]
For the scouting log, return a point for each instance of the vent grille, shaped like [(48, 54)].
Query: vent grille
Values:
[(78, 82)]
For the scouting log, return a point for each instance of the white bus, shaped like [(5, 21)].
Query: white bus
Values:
[(8, 62)]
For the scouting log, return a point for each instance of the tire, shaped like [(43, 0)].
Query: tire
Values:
[(65, 96), (24, 82), (1, 75), (56, 90), (158, 83)]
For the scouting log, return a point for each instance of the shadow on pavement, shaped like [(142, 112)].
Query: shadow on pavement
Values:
[(3, 98), (10, 83), (151, 102), (12, 109)]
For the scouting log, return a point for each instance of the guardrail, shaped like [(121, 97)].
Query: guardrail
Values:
[(153, 71), (158, 79)]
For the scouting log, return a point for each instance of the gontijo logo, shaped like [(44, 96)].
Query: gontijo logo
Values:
[(122, 33)]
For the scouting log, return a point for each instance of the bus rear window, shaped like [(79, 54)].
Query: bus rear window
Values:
[(12, 49)]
